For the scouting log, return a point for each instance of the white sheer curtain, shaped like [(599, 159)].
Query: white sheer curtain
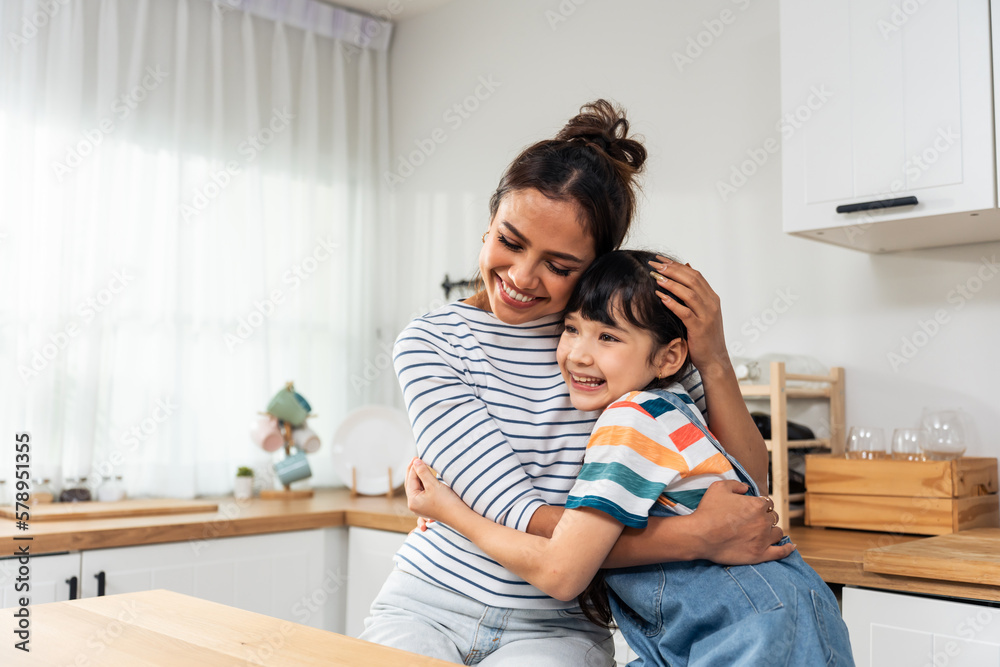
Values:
[(189, 210)]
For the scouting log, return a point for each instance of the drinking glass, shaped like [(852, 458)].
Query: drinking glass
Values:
[(865, 442), (945, 435), (908, 444)]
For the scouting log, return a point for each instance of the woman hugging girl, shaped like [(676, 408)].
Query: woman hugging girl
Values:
[(650, 454)]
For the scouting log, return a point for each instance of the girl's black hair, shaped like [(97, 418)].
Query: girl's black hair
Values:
[(616, 287)]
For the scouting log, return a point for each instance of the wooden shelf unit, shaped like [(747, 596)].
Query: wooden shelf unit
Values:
[(779, 391)]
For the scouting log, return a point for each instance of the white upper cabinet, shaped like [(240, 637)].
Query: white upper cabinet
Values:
[(888, 108)]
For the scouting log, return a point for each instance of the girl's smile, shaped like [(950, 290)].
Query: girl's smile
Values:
[(600, 363)]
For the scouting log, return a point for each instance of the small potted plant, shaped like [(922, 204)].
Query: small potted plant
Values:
[(243, 486)]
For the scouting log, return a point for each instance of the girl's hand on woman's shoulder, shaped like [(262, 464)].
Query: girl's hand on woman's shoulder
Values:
[(701, 311), (428, 497)]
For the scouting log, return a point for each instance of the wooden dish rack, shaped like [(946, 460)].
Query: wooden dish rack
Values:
[(779, 391)]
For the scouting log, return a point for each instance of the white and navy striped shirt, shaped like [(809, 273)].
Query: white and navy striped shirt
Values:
[(492, 416)]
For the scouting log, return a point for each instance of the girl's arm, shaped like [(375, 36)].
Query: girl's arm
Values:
[(728, 416), (561, 566), (727, 528)]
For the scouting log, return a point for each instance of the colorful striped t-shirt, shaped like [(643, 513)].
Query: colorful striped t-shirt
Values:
[(643, 451)]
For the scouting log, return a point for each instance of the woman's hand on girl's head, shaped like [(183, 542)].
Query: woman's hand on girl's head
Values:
[(427, 497), (701, 312)]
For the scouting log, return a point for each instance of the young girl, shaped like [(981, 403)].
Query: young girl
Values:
[(650, 454)]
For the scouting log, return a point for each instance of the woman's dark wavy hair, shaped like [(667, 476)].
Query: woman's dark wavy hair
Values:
[(618, 288), (591, 162)]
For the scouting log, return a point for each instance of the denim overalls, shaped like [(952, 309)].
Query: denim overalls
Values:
[(701, 613)]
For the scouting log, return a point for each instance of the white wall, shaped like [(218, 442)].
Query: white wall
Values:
[(849, 308)]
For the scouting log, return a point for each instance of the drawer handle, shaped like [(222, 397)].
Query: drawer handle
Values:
[(100, 583), (874, 205), (72, 581)]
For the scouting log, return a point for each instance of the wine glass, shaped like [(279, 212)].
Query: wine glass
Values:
[(865, 442), (908, 444), (945, 435)]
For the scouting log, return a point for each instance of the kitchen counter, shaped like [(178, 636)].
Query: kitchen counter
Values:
[(837, 555), (328, 508), (166, 628)]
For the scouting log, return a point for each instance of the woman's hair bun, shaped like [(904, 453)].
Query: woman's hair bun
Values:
[(592, 162), (603, 125)]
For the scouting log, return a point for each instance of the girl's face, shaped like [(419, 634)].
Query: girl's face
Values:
[(534, 253), (600, 363)]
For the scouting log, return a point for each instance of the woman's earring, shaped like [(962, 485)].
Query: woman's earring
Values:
[(484, 236)]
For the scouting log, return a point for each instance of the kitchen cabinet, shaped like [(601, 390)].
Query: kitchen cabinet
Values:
[(296, 576), (885, 103), (901, 629), (51, 577), (369, 561)]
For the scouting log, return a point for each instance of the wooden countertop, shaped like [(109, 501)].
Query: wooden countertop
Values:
[(328, 508), (166, 628), (971, 556), (837, 555)]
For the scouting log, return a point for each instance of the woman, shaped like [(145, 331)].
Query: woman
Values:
[(491, 414)]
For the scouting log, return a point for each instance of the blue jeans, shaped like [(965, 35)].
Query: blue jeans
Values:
[(416, 615), (699, 613)]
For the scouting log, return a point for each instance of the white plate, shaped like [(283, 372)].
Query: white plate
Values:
[(371, 440)]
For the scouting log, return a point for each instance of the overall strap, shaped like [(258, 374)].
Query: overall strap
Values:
[(686, 410)]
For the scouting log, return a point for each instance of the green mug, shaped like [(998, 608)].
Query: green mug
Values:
[(287, 407)]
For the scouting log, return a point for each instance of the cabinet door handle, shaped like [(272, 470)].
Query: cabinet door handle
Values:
[(100, 583), (874, 205), (72, 587)]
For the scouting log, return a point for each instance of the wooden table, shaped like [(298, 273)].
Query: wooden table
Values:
[(165, 628)]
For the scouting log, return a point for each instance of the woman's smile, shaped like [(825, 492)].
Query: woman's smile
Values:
[(515, 298)]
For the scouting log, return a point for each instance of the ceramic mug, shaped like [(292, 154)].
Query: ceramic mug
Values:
[(287, 407), (306, 439), (266, 434), (293, 467)]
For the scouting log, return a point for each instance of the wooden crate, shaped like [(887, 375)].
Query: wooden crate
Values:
[(918, 497)]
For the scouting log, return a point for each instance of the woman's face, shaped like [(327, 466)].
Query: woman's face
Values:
[(533, 255)]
